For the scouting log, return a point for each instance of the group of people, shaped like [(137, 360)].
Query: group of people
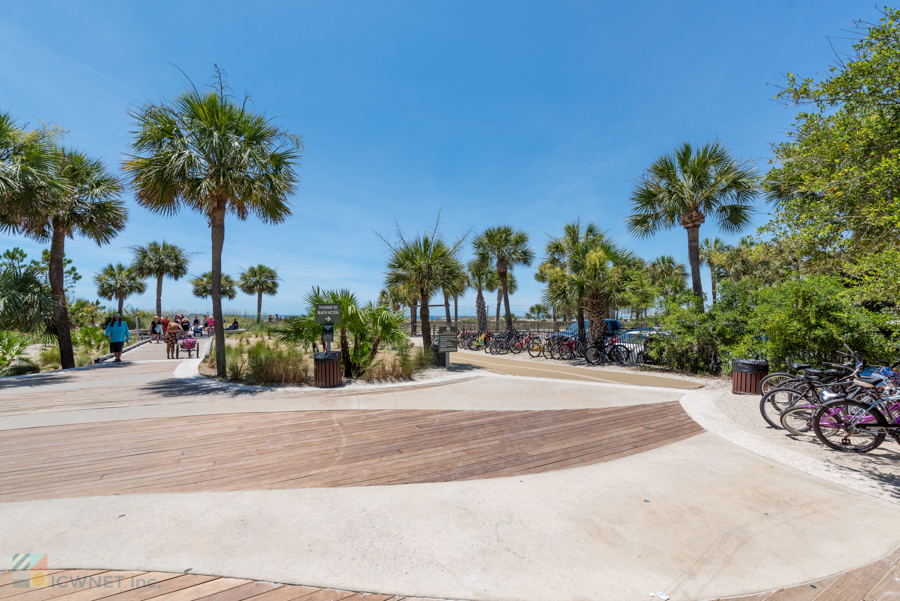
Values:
[(164, 329)]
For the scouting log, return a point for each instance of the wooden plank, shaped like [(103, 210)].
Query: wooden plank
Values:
[(170, 585), (239, 593), (327, 595), (286, 593), (888, 589), (200, 591), (855, 584), (60, 583)]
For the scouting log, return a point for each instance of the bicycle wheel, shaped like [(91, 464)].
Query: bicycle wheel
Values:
[(593, 355), (554, 351), (547, 349), (798, 420), (618, 353), (774, 380), (517, 347), (837, 425), (535, 348), (775, 402), (565, 352)]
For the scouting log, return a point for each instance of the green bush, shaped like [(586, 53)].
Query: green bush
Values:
[(24, 367), (804, 320), (278, 365), (12, 347)]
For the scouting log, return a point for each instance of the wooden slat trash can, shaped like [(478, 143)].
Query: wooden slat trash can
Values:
[(327, 368), (746, 374)]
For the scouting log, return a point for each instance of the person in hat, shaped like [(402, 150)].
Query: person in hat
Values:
[(117, 333)]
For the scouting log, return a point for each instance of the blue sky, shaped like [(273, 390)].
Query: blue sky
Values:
[(528, 113)]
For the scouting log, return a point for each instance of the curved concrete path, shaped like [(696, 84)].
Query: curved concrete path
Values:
[(697, 519)]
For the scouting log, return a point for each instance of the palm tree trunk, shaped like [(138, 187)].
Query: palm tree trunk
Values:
[(217, 228), (58, 291), (481, 312), (694, 259), (499, 300), (159, 279), (412, 317), (426, 320), (596, 310), (345, 353), (580, 318), (447, 308), (374, 352), (506, 301), (712, 277), (258, 306), (121, 305), (455, 311)]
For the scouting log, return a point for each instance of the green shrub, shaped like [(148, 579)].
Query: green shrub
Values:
[(12, 347), (235, 369), (277, 365), (24, 367), (48, 357), (806, 320)]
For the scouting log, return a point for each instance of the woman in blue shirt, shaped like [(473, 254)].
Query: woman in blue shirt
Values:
[(117, 333)]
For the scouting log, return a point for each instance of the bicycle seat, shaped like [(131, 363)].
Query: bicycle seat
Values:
[(832, 372), (800, 366), (813, 372), (867, 382), (828, 395)]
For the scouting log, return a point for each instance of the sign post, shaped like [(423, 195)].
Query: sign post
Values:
[(328, 316), (447, 342)]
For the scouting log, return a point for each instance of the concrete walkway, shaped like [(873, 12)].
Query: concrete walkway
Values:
[(696, 519)]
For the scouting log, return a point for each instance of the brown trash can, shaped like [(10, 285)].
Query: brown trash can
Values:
[(328, 369), (746, 374)]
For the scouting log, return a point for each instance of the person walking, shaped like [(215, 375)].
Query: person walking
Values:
[(172, 332), (153, 325), (165, 323), (117, 333)]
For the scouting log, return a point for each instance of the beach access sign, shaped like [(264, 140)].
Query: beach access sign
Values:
[(328, 315), (447, 339)]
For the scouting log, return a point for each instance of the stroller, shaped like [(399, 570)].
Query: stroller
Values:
[(198, 330), (188, 345)]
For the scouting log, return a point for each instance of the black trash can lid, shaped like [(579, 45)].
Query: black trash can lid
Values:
[(750, 366), (331, 356), (750, 361)]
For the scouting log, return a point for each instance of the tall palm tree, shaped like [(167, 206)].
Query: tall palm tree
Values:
[(206, 152), (667, 275), (259, 280), (201, 286), (454, 284), (711, 252), (512, 286), (421, 263), (159, 260), (483, 278), (85, 202), (119, 282), (505, 248), (685, 187)]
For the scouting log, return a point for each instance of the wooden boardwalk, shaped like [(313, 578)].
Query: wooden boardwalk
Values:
[(878, 581), (307, 449)]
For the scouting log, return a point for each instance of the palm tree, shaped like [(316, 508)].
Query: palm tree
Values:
[(28, 182), (512, 286), (26, 303), (685, 187), (84, 202), (537, 311), (711, 251), (259, 280), (393, 297), (567, 287), (202, 286), (483, 278), (506, 248), (594, 278), (421, 263), (667, 275), (213, 155), (160, 259), (454, 284), (119, 282)]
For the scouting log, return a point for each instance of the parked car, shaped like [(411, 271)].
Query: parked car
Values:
[(613, 327)]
